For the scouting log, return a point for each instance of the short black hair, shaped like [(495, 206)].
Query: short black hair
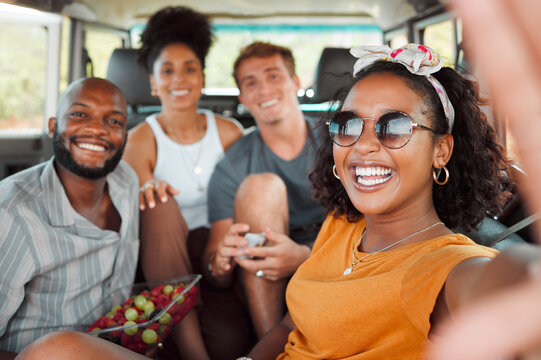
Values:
[(175, 24), (480, 180)]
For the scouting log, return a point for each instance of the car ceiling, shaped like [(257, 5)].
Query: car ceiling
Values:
[(125, 13)]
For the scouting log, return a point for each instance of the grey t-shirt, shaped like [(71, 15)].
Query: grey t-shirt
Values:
[(250, 155)]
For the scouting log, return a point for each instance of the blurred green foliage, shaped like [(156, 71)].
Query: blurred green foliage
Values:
[(22, 73)]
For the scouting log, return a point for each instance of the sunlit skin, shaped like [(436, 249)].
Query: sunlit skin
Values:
[(267, 89), (177, 76), (92, 122), (403, 204)]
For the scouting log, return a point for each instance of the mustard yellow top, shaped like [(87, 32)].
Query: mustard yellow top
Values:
[(379, 311)]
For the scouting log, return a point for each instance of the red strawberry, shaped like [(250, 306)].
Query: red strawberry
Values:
[(139, 347), (118, 316), (102, 322), (125, 339), (178, 289), (117, 333), (157, 290)]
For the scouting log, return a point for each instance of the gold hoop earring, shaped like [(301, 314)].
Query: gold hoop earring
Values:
[(436, 176), (334, 172)]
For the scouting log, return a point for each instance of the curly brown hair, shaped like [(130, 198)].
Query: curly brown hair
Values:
[(175, 24), (480, 180)]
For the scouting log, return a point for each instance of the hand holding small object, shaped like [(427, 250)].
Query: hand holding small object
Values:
[(279, 258)]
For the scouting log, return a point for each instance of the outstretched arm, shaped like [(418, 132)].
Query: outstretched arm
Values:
[(504, 35)]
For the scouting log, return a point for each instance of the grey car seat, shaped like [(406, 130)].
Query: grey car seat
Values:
[(124, 71), (334, 73)]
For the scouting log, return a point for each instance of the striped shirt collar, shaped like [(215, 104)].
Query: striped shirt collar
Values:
[(59, 208)]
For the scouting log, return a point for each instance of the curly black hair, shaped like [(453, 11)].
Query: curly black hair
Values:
[(175, 24), (480, 179)]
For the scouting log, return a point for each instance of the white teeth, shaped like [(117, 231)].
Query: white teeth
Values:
[(372, 171), (179, 92), (362, 172), (92, 147), (371, 182), (266, 104)]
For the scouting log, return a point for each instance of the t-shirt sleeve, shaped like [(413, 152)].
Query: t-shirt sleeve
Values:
[(16, 267), (424, 282), (222, 189)]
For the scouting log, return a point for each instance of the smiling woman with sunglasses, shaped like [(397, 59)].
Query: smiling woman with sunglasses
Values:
[(386, 268)]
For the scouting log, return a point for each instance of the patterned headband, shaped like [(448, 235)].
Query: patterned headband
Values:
[(418, 59)]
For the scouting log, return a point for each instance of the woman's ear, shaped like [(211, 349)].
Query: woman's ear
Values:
[(443, 150)]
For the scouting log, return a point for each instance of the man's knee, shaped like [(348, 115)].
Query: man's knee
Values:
[(257, 182), (59, 345), (258, 191)]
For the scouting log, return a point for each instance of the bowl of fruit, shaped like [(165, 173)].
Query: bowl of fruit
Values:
[(148, 313)]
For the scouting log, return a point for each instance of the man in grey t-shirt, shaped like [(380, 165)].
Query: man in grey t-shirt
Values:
[(262, 186)]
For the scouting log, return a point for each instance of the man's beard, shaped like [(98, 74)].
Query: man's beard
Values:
[(65, 158)]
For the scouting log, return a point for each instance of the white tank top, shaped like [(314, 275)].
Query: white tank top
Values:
[(188, 168)]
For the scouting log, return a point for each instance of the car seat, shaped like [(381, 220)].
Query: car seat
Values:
[(124, 71), (334, 74)]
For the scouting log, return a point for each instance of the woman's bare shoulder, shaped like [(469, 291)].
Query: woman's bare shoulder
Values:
[(229, 129)]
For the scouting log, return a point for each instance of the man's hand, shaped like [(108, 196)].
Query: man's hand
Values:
[(279, 258), (222, 261), (151, 188)]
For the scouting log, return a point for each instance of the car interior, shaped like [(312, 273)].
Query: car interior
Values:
[(396, 19)]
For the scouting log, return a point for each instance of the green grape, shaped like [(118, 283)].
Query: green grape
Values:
[(148, 313), (167, 289), (131, 314), (115, 308), (180, 299), (148, 305), (130, 331), (110, 314), (140, 301), (165, 319), (149, 336)]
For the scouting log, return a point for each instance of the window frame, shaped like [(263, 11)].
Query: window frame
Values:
[(53, 25)]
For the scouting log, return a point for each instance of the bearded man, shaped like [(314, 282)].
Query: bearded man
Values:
[(69, 225)]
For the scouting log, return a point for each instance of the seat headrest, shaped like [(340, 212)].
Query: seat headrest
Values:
[(334, 72), (130, 77)]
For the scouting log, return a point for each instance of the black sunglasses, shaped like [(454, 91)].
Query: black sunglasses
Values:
[(393, 129)]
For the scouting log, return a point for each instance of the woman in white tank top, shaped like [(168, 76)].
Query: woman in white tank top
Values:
[(174, 153)]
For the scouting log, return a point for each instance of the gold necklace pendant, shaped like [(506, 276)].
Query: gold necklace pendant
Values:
[(354, 260)]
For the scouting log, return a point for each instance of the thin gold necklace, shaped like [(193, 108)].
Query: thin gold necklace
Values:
[(197, 169), (354, 259)]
